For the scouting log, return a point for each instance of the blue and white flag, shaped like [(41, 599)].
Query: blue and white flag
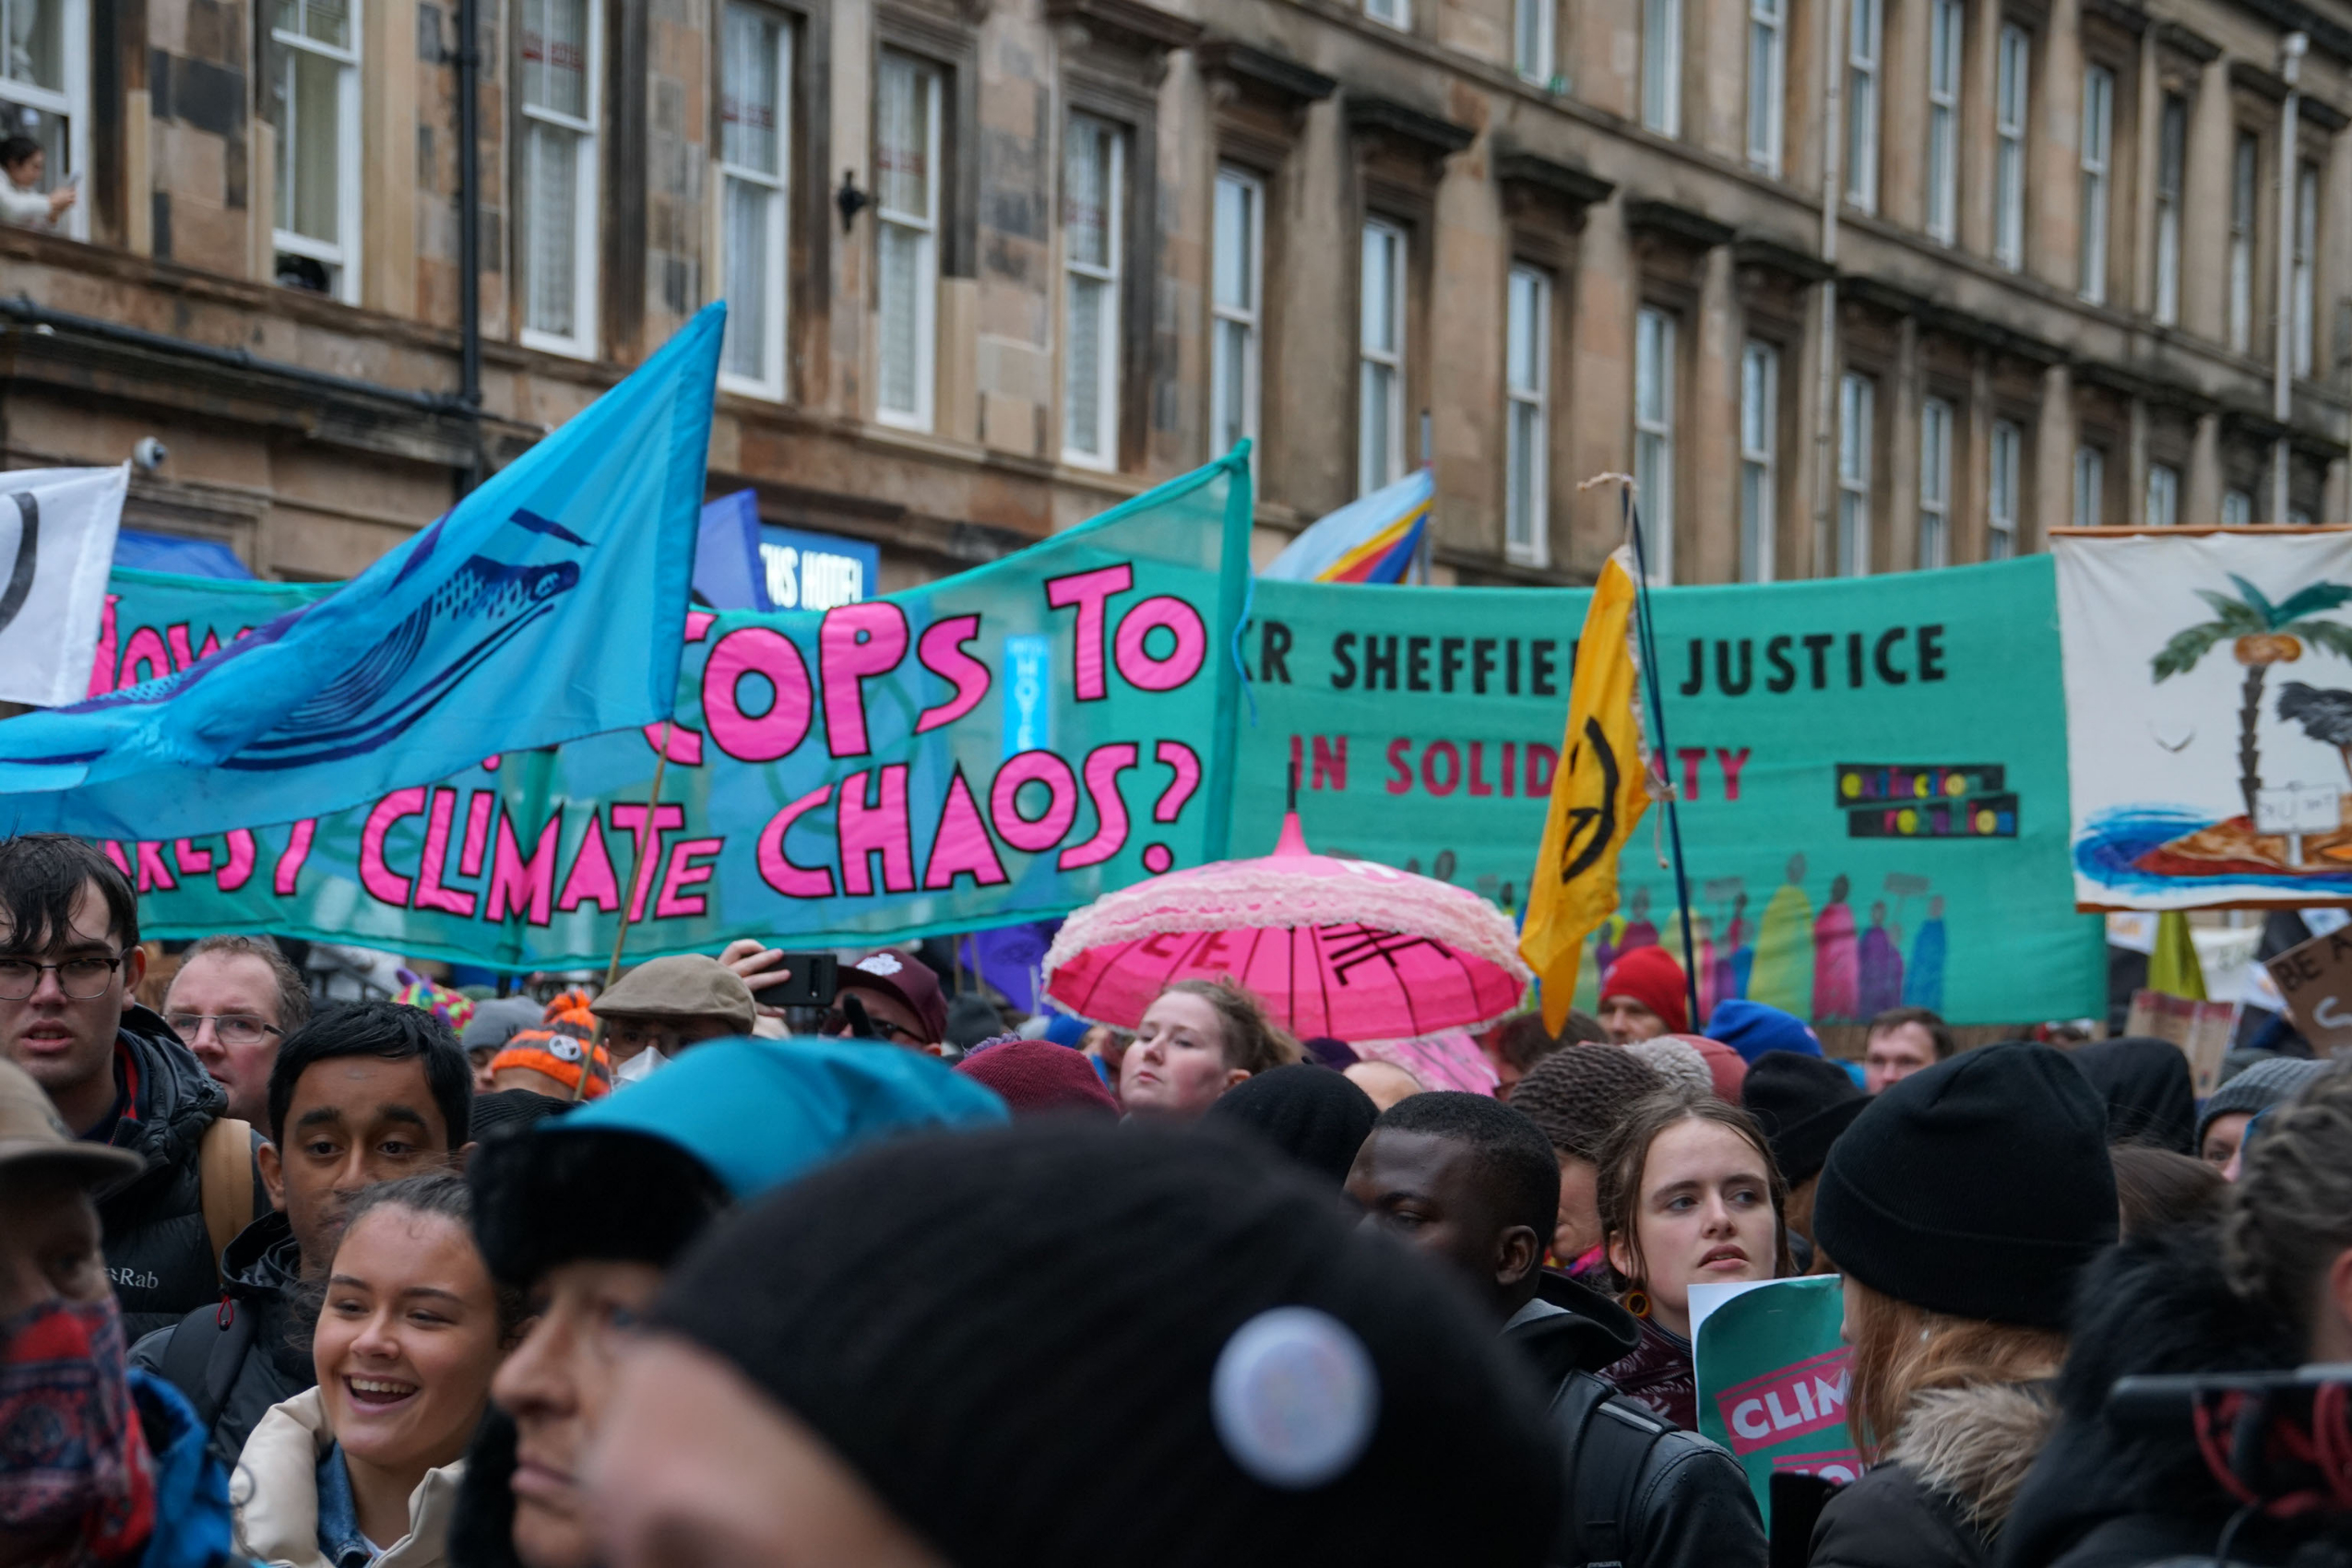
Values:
[(549, 604)]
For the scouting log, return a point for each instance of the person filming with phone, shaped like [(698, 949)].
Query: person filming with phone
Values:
[(24, 164)]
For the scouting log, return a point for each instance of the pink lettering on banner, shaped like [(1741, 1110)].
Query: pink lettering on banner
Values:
[(1089, 591), (676, 741), (1104, 765), (1147, 671), (1541, 760), (144, 659), (1185, 763), (519, 886), (1452, 767), (648, 827), (102, 669), (238, 871), (1042, 832), (961, 846), (114, 853), (763, 736), (383, 884), (478, 811), (288, 875), (942, 653), (154, 875), (856, 641), (1788, 1403), (776, 868), (430, 894), (1732, 763), (678, 873), (192, 860), (590, 879), (880, 827)]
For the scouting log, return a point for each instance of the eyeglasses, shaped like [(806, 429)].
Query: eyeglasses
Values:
[(229, 1028), (837, 1022), (81, 978)]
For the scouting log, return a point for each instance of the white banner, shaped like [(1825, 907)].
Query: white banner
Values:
[(56, 545), (2208, 717)]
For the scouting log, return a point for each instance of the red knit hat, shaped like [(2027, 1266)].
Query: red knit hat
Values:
[(1036, 1077), (1651, 977), (1725, 1065)]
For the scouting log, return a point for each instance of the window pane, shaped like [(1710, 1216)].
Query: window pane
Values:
[(902, 268), (748, 219), (2237, 509), (551, 160), (1373, 433), (1086, 195), (1236, 241), (748, 109), (2090, 483), (555, 55), (902, 128), (32, 49), (1379, 290), (330, 21), (1662, 66), (308, 199), (1232, 389), (1082, 429), (1526, 446)]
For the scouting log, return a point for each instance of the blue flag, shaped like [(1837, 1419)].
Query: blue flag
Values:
[(549, 604)]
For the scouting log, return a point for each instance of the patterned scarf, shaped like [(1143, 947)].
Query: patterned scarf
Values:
[(72, 1452)]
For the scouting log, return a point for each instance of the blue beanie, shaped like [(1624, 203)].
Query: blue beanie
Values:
[(1751, 1029), (758, 1112), (1064, 1028)]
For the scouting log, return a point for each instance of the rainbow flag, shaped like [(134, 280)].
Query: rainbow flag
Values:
[(1372, 540)]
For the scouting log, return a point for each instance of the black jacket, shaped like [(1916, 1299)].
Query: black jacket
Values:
[(2108, 1495), (1943, 1495), (1640, 1492), (158, 1252), (236, 1358)]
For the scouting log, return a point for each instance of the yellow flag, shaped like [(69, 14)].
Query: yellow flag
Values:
[(1597, 795)]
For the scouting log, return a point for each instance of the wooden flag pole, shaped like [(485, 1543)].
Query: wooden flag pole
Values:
[(636, 891), (1645, 631)]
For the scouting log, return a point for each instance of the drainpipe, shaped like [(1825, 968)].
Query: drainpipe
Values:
[(470, 228), (1833, 183), (2282, 379)]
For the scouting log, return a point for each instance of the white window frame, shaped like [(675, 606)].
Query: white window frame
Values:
[(2090, 486), (778, 186), (2013, 83), (1372, 358), (1398, 14), (1865, 46), (2005, 466), (1768, 83), (925, 228), (342, 258), (1526, 528), (1231, 324), (1661, 81), (1947, 47), (1653, 372), (2163, 503), (1759, 460), (2097, 154), (1937, 421), (2303, 341), (72, 101), (2172, 160), (580, 343), (1535, 50), (1108, 277), (2237, 508), (1857, 411), (2245, 200)]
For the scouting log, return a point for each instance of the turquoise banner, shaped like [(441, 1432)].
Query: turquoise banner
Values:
[(1774, 1372)]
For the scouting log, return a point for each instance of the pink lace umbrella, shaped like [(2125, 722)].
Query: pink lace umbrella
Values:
[(1345, 948)]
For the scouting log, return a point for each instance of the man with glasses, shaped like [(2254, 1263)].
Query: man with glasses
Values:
[(69, 965), (234, 999), (899, 999), (666, 1004)]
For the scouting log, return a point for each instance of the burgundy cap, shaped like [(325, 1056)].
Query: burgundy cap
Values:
[(909, 980), (1037, 1077)]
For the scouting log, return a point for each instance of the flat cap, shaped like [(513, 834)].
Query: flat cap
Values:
[(688, 985)]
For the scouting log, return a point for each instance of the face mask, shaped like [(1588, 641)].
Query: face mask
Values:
[(639, 1067), (76, 1458)]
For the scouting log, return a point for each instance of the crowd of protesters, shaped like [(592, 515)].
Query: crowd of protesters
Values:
[(623, 1279)]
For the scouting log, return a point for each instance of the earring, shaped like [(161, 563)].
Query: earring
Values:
[(1635, 1301)]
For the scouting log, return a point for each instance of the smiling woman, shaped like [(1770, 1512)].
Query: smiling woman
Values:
[(365, 1467)]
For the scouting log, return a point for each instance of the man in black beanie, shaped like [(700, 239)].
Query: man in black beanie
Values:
[(1305, 1109), (1061, 1345), (1802, 1103), (1470, 1180)]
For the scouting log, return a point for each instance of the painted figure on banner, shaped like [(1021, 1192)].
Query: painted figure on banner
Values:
[(1783, 975)]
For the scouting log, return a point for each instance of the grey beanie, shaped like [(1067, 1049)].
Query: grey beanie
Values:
[(2259, 1086)]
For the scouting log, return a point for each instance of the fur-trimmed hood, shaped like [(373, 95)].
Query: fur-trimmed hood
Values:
[(1974, 1444)]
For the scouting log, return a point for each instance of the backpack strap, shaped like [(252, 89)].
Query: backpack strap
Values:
[(224, 1177), (204, 1354), (1608, 1444)]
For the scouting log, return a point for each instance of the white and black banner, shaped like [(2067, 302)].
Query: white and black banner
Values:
[(56, 545)]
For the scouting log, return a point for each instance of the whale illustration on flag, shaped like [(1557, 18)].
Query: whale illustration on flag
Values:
[(547, 605)]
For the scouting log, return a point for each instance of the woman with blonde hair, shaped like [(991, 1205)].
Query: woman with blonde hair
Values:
[(1197, 1039), (1960, 1206)]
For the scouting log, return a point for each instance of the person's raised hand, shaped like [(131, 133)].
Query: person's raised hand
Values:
[(757, 965), (62, 197)]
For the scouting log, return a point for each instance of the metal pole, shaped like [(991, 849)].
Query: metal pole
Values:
[(1645, 639), (1833, 191), (469, 227), (2282, 378)]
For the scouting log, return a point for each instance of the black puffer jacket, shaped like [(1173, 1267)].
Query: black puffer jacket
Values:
[(236, 1358), (1643, 1494), (2104, 1495), (158, 1252), (1945, 1491)]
